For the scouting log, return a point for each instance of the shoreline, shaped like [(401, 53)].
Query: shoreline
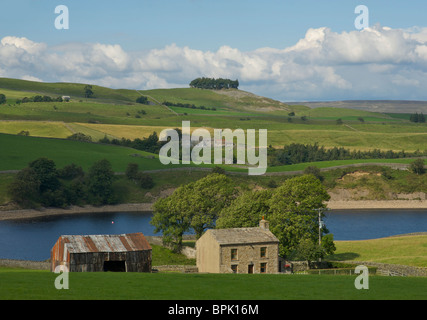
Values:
[(45, 212), (377, 204), (148, 207)]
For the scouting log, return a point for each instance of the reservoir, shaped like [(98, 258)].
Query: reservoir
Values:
[(32, 239)]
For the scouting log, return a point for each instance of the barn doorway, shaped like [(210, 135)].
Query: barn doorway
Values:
[(115, 266)]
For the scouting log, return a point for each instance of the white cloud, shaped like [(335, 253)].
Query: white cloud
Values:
[(378, 62)]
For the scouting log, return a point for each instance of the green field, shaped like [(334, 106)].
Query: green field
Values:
[(404, 250), (39, 285), (18, 151)]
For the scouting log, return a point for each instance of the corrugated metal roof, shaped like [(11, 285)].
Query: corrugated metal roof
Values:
[(105, 243), (242, 235)]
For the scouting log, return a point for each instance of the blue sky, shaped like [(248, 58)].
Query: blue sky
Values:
[(109, 42)]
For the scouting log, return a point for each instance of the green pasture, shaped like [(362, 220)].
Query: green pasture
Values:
[(19, 284), (404, 250), (18, 151)]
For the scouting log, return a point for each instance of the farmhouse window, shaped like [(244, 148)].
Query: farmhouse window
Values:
[(263, 252), (263, 267), (233, 254)]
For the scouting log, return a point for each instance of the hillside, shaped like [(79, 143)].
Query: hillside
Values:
[(114, 113), (383, 106)]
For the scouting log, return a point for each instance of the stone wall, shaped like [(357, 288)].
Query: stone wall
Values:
[(175, 268), (36, 265), (393, 269)]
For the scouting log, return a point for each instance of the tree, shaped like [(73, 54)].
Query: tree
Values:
[(70, 172), (142, 100), (172, 218), (24, 189), (292, 215), (46, 173), (328, 245), (100, 183), (144, 180), (417, 166), (210, 194), (88, 91), (308, 250), (131, 171), (2, 98), (246, 210), (195, 205)]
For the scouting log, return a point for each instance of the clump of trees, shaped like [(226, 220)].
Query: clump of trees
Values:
[(214, 201), (417, 118), (39, 98), (214, 84), (78, 136), (301, 153), (150, 144), (42, 184), (142, 100), (187, 105)]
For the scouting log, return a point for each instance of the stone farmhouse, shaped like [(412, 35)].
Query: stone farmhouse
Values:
[(238, 250)]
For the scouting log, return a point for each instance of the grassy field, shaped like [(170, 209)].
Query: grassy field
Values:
[(39, 285), (18, 151), (404, 250)]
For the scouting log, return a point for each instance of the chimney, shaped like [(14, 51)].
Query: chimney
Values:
[(264, 224)]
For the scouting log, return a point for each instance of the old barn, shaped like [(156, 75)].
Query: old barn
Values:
[(91, 253)]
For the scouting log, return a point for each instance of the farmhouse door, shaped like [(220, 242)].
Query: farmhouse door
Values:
[(251, 268)]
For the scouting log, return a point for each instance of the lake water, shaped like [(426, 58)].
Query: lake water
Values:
[(32, 239)]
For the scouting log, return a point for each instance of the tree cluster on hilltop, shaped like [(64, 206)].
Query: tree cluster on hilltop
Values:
[(214, 84)]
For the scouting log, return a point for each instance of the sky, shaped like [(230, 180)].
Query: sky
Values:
[(306, 50)]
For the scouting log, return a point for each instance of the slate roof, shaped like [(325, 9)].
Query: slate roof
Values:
[(242, 235)]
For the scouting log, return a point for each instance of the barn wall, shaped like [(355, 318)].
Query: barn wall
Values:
[(136, 261)]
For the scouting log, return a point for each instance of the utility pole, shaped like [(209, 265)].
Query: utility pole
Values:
[(321, 224)]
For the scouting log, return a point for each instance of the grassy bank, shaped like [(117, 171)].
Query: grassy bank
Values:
[(404, 250)]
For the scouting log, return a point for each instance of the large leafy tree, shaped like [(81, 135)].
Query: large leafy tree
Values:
[(193, 206), (172, 218), (292, 211), (100, 183), (209, 196), (246, 210)]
